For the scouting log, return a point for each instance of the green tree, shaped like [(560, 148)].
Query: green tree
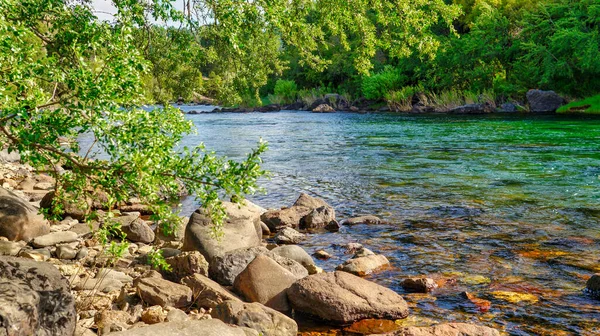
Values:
[(64, 75)]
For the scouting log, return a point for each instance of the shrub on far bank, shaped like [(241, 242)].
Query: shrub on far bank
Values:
[(287, 90), (376, 86), (589, 105)]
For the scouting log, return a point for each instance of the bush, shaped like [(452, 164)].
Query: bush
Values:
[(589, 105), (287, 90), (401, 100), (378, 85)]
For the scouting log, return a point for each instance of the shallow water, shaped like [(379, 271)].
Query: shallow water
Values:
[(486, 203)]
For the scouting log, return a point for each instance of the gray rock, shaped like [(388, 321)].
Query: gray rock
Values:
[(341, 297), (289, 236), (178, 233), (157, 291), (286, 217), (224, 269), (85, 230), (295, 253), (108, 273), (176, 315), (102, 285), (544, 101), (54, 238), (207, 293), (18, 219), (36, 299), (139, 232), (241, 229), (474, 109), (265, 281), (363, 252), (212, 327), (170, 252), (319, 218), (76, 208), (13, 156), (82, 253), (267, 321), (508, 108), (593, 286), (321, 254)]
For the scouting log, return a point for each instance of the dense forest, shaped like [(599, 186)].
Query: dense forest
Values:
[(255, 53)]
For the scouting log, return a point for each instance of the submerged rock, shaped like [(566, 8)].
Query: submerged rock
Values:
[(593, 285), (447, 329), (341, 297), (367, 219)]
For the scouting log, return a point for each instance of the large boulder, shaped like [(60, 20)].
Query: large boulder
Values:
[(157, 291), (446, 329), (267, 321), (240, 229), (207, 293), (212, 327), (341, 297), (544, 101), (36, 299), (265, 281), (224, 269), (307, 212), (18, 219)]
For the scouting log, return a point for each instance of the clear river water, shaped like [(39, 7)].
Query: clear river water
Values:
[(506, 207)]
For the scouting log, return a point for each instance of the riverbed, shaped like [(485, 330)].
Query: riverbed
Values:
[(489, 204)]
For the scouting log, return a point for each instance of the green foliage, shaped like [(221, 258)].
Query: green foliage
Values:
[(286, 90), (81, 77), (401, 100), (156, 259), (589, 105), (378, 85), (561, 47)]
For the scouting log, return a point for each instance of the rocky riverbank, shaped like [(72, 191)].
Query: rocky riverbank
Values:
[(253, 281), (537, 101)]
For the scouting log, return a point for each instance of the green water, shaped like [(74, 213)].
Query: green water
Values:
[(488, 203)]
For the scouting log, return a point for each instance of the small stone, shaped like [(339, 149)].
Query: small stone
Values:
[(153, 315), (34, 255), (66, 251), (289, 236), (54, 238), (10, 248), (322, 255), (176, 315), (107, 273), (82, 253), (168, 252), (419, 285), (43, 186), (162, 292), (139, 231)]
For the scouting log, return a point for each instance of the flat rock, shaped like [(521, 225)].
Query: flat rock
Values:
[(212, 327), (207, 293), (364, 265), (267, 321), (289, 236), (265, 281), (367, 219), (157, 291), (446, 329), (294, 252), (341, 297), (54, 238), (241, 229)]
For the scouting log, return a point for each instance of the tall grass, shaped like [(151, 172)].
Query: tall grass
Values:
[(450, 99)]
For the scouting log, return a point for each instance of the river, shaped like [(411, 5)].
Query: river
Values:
[(490, 204)]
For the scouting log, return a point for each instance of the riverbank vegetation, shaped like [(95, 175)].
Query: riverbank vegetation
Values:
[(377, 50)]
